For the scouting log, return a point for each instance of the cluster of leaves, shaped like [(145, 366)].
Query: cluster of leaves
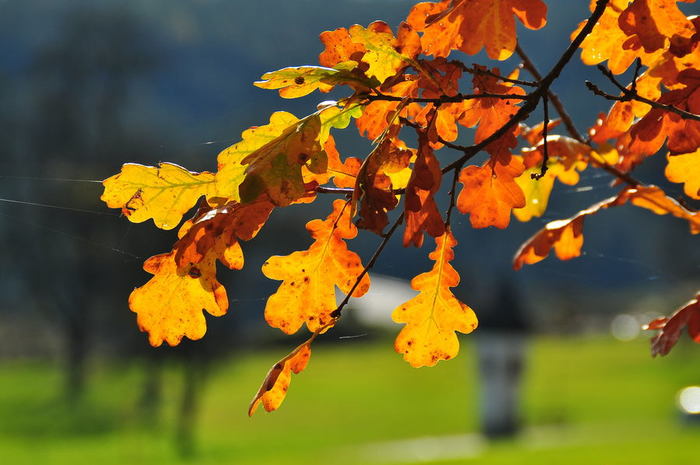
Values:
[(401, 83)]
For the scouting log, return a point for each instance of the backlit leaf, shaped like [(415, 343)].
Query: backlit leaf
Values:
[(470, 25), (421, 210), (302, 80), (685, 168), (270, 159), (490, 192), (164, 193), (434, 316), (275, 385), (170, 305), (309, 277), (688, 316), (489, 114)]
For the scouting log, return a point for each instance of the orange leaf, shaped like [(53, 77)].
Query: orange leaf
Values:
[(376, 50), (566, 236), (169, 306), (421, 210), (373, 185), (490, 192), (470, 25), (652, 22), (435, 315), (275, 385), (670, 327), (492, 113), (606, 40), (685, 168), (309, 277), (219, 230), (654, 199)]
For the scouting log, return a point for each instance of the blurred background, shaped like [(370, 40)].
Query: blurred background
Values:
[(88, 85)]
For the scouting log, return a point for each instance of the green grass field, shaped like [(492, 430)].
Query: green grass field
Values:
[(587, 401)]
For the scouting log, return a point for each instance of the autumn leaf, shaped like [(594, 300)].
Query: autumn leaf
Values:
[(309, 277), (373, 195), (377, 116), (164, 193), (655, 200), (688, 316), (169, 306), (434, 316), (421, 210), (490, 114), (470, 25), (536, 191), (302, 80), (566, 236), (270, 159), (685, 168), (647, 135), (381, 54), (605, 42), (219, 230), (490, 192), (275, 385), (650, 23)]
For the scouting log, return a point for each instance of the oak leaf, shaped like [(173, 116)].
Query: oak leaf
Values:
[(490, 192), (688, 316), (490, 113), (169, 306), (372, 195), (421, 210), (470, 25), (434, 316), (685, 168), (302, 80), (379, 53), (271, 159), (655, 200), (605, 42), (275, 385), (309, 277), (163, 194), (564, 236), (219, 230), (650, 23)]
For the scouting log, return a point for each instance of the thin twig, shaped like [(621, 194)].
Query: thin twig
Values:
[(545, 149), (628, 94), (488, 72), (443, 98), (335, 314)]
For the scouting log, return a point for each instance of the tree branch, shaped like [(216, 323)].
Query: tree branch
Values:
[(443, 98), (631, 94), (558, 105)]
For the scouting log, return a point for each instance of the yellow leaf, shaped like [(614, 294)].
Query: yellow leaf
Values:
[(270, 159), (164, 193), (383, 58), (309, 277), (169, 306), (536, 192), (302, 80), (275, 385), (434, 315), (685, 168)]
